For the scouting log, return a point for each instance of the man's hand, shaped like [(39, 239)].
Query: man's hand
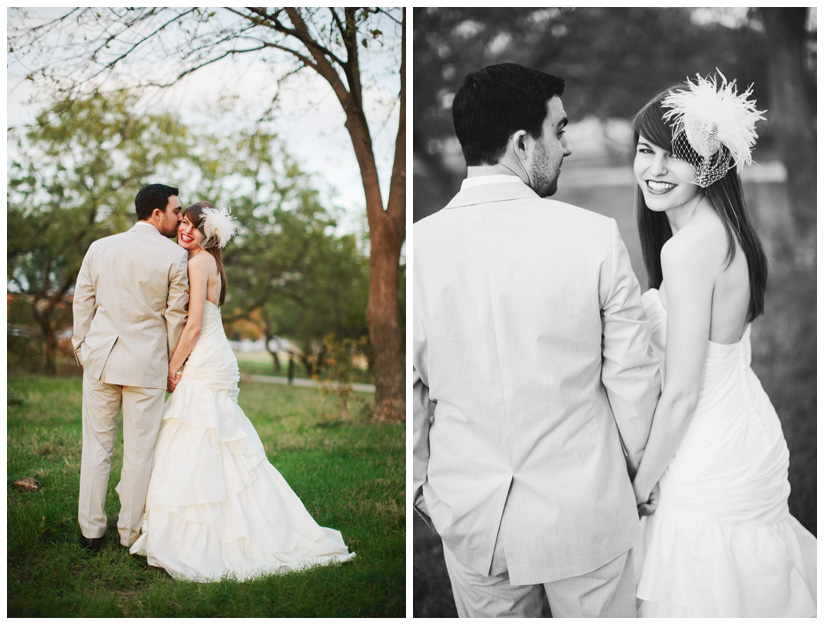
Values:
[(172, 382), (420, 507), (647, 508)]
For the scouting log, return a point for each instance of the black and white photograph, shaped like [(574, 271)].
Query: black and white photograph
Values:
[(614, 312)]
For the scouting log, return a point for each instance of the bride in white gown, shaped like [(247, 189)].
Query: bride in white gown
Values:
[(720, 541), (216, 508)]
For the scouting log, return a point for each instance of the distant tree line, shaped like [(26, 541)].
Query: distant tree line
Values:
[(72, 178)]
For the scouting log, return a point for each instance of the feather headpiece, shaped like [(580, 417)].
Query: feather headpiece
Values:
[(714, 128), (218, 227)]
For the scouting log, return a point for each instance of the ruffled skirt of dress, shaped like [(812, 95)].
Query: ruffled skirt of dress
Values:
[(216, 508), (722, 542), (694, 568)]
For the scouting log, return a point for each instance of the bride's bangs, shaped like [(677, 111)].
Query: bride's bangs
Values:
[(194, 213), (649, 124)]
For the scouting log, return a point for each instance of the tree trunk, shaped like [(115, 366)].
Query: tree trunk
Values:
[(49, 346), (387, 235), (385, 331), (276, 362), (387, 228), (306, 359), (792, 119), (386, 238)]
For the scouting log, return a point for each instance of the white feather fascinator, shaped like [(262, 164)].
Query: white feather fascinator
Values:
[(714, 128), (218, 227)]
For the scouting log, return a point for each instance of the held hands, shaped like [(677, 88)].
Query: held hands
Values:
[(172, 380), (648, 507)]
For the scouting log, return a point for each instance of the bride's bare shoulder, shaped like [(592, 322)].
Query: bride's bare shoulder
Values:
[(205, 262), (701, 244)]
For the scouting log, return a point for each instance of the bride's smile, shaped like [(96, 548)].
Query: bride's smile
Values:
[(661, 177), (189, 236), (658, 187)]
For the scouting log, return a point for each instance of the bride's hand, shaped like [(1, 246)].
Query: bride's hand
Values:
[(172, 381), (647, 508)]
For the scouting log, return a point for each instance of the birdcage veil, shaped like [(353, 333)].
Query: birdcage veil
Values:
[(714, 128)]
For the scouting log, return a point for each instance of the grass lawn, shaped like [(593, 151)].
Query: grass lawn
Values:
[(350, 476)]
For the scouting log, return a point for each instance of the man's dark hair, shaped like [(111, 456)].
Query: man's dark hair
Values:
[(151, 197), (497, 101)]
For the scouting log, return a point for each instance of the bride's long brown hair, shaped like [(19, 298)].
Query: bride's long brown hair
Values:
[(194, 213), (728, 200)]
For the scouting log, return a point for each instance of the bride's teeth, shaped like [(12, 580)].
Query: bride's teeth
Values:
[(659, 186)]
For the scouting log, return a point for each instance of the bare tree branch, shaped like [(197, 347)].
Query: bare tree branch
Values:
[(389, 15), (299, 32), (111, 64)]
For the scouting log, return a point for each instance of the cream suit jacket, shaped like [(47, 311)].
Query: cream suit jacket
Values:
[(532, 369), (130, 307)]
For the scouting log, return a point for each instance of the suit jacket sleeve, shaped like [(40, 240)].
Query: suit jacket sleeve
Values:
[(630, 372), (83, 305), (423, 411), (176, 302)]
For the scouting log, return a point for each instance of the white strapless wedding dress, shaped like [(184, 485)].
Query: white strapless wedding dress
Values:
[(216, 507), (722, 542)]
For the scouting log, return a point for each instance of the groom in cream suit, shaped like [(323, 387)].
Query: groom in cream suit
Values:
[(534, 386), (129, 309)]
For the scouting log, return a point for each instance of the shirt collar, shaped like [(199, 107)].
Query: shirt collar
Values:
[(491, 179)]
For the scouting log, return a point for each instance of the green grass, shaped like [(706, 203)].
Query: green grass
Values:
[(350, 476)]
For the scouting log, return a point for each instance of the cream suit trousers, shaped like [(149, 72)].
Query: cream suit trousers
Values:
[(608, 591), (142, 411)]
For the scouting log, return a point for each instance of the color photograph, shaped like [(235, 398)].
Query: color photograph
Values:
[(206, 312)]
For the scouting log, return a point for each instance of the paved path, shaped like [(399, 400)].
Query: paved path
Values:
[(301, 382)]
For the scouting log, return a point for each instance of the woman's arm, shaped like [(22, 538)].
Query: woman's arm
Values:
[(198, 279), (689, 269)]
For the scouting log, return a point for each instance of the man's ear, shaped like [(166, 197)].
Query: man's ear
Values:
[(159, 215), (522, 144)]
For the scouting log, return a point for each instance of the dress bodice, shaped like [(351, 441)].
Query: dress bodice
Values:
[(725, 364), (211, 317), (731, 400), (212, 359)]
